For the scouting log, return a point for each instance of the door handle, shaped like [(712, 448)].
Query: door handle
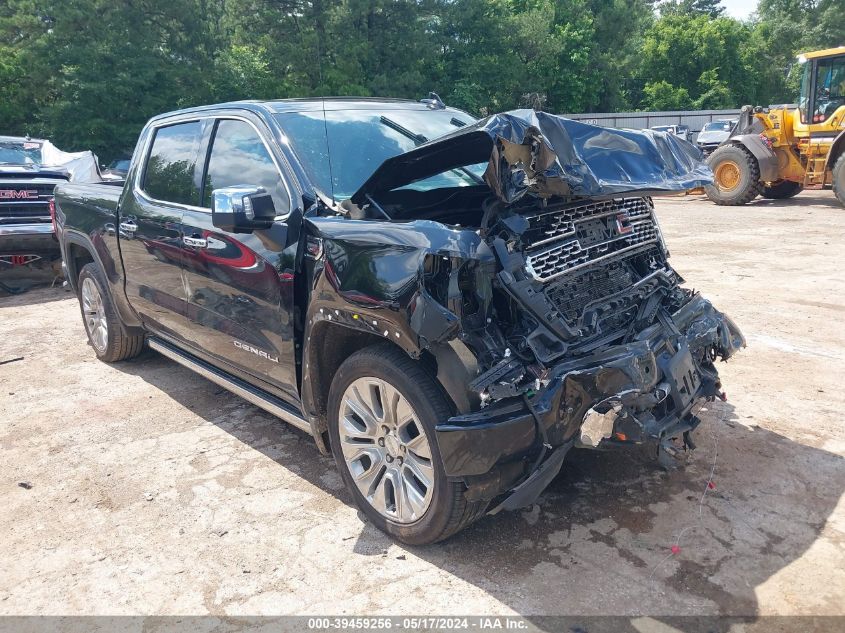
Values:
[(128, 226), (196, 242)]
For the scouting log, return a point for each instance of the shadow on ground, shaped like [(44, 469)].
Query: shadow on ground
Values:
[(816, 198), (30, 286), (601, 534)]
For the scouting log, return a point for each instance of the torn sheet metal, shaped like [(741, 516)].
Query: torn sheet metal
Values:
[(82, 166), (528, 152)]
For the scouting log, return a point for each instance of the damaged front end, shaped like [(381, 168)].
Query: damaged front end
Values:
[(544, 298)]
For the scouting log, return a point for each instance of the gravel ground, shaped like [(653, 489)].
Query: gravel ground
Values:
[(141, 488)]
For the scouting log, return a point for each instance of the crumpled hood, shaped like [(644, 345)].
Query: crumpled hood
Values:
[(546, 155)]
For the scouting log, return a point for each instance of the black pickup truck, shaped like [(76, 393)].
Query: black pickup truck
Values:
[(446, 305), (27, 239)]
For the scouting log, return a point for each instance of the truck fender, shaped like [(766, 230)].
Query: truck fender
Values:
[(334, 330), (836, 150), (766, 158), (128, 318)]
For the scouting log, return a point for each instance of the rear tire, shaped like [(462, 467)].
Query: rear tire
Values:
[(781, 190), (839, 179), (736, 176), (389, 437), (105, 331)]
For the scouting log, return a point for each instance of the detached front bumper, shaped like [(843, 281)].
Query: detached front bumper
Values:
[(629, 394)]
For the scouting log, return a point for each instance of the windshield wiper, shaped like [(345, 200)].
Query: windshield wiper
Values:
[(419, 139)]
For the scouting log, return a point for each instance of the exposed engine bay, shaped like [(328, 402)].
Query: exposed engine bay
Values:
[(571, 279), (543, 296)]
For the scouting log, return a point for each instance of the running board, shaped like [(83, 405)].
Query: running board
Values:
[(252, 394)]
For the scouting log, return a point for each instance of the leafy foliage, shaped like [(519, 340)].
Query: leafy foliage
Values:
[(89, 73)]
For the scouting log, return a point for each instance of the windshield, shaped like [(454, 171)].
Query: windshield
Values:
[(359, 141), (717, 126), (20, 153), (121, 164)]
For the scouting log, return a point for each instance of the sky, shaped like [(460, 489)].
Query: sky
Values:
[(739, 8)]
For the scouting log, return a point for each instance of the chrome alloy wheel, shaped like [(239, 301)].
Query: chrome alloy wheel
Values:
[(94, 315), (386, 449)]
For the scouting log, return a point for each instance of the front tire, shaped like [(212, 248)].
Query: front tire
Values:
[(781, 190), (105, 331), (736, 176), (839, 179), (382, 410)]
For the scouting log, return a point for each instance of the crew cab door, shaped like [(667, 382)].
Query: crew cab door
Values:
[(240, 285), (150, 224)]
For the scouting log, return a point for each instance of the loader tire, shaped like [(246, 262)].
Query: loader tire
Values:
[(781, 190), (839, 179), (736, 176)]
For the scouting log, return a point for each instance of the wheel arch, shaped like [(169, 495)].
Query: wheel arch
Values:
[(836, 150), (329, 343), (77, 255), (767, 160), (78, 251)]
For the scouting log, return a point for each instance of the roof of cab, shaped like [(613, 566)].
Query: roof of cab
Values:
[(20, 139), (311, 104), (826, 52)]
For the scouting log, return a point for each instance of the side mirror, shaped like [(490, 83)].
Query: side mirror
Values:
[(242, 209)]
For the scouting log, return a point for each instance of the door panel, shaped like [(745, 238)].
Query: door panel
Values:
[(150, 227), (239, 287), (150, 247)]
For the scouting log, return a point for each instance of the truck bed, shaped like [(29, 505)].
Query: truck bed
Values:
[(86, 207)]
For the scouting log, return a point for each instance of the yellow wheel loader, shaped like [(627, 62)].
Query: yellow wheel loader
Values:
[(777, 152)]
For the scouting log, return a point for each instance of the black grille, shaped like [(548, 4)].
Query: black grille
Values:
[(572, 294), (25, 201), (566, 239)]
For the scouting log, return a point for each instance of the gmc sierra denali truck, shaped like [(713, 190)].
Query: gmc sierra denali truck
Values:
[(446, 305), (26, 189)]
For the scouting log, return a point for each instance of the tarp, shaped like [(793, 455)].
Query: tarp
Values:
[(82, 166), (545, 155)]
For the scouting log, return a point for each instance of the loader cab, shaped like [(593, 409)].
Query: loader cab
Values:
[(821, 104)]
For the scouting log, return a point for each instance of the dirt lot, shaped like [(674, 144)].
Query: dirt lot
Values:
[(155, 492)]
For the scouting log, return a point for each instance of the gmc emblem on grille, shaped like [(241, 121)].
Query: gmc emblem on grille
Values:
[(623, 224), (18, 194)]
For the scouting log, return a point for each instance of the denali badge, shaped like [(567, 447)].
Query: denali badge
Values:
[(18, 194), (256, 351)]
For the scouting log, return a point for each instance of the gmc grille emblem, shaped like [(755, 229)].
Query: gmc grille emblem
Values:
[(623, 224), (18, 194)]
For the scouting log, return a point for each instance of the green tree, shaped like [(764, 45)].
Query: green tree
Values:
[(105, 66), (618, 29), (702, 55), (710, 8), (661, 95), (16, 98)]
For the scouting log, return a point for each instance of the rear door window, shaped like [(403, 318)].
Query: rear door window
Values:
[(169, 173), (239, 157)]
